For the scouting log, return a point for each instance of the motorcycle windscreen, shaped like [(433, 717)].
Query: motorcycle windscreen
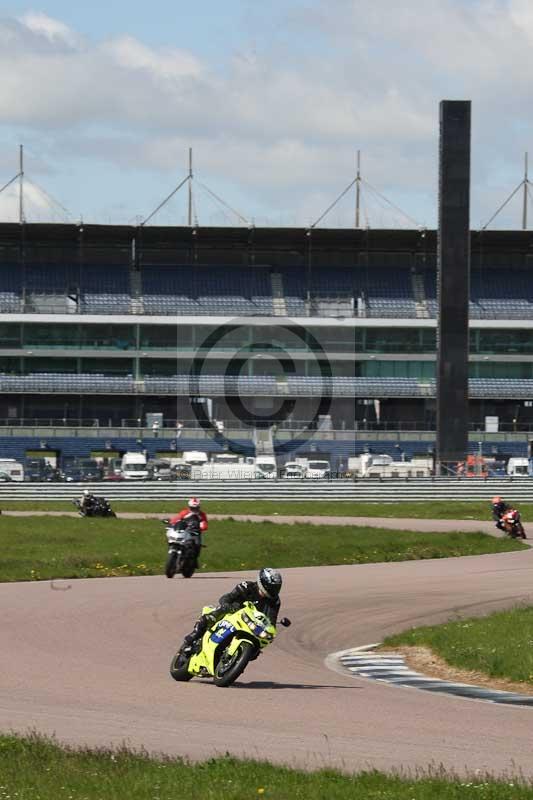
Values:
[(222, 632)]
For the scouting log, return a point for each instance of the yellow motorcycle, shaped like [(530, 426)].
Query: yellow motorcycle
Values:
[(227, 646)]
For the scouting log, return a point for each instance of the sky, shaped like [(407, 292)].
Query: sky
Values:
[(275, 99)]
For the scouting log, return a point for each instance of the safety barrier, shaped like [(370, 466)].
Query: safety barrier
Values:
[(371, 490)]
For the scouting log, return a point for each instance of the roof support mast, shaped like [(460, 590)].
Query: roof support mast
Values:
[(190, 188), (21, 184), (358, 190), (526, 184)]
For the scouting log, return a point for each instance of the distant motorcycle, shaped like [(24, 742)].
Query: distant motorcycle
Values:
[(512, 524), (98, 508), (227, 647), (183, 550)]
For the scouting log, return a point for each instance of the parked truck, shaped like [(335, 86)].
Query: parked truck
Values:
[(229, 466), (368, 465)]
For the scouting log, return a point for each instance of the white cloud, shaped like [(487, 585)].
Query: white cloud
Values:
[(281, 119), (168, 63), (52, 29)]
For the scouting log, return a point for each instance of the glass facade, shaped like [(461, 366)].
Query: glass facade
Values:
[(494, 342), (261, 347)]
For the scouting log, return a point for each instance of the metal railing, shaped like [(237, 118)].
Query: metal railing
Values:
[(360, 428), (380, 491)]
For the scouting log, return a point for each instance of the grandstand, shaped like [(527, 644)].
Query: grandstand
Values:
[(332, 332)]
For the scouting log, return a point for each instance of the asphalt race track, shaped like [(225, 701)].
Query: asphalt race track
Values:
[(88, 660)]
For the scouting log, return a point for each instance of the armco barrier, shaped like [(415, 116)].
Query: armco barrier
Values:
[(371, 490)]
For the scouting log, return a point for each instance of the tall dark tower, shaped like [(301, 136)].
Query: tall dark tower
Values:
[(453, 280)]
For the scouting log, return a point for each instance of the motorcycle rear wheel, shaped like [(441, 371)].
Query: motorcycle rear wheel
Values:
[(179, 668), (171, 565), (229, 668)]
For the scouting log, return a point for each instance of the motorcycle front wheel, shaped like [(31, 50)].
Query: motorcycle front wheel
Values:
[(229, 667), (171, 565), (179, 668), (187, 569), (188, 565)]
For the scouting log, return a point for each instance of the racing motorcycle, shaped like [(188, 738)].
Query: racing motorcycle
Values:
[(99, 508), (227, 647), (183, 550), (512, 524)]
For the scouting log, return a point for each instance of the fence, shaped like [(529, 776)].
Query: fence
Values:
[(370, 490)]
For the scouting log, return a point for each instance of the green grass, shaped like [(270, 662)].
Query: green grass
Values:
[(72, 547), (35, 768), (499, 645), (419, 510)]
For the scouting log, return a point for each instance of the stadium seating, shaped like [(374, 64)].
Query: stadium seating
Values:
[(10, 289), (190, 290), (105, 290), (261, 385), (388, 292), (494, 294), (373, 291)]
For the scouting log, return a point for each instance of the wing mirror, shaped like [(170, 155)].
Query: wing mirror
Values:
[(285, 622)]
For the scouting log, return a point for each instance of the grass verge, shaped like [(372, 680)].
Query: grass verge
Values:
[(416, 510), (35, 767), (499, 645), (71, 547)]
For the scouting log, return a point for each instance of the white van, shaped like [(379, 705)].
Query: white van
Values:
[(12, 468), (195, 460), (134, 467), (518, 467), (318, 469), (265, 467)]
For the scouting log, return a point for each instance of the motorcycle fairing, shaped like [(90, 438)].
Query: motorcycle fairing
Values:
[(222, 631), (231, 630)]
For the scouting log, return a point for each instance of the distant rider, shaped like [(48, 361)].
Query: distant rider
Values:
[(499, 508), (193, 519), (263, 593), (87, 501)]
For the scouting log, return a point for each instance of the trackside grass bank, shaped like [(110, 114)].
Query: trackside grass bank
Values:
[(416, 510), (499, 645), (71, 547), (35, 768)]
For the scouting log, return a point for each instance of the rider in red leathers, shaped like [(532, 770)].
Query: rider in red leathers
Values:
[(193, 519), (191, 516)]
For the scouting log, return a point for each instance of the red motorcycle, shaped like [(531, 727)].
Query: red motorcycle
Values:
[(512, 524)]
